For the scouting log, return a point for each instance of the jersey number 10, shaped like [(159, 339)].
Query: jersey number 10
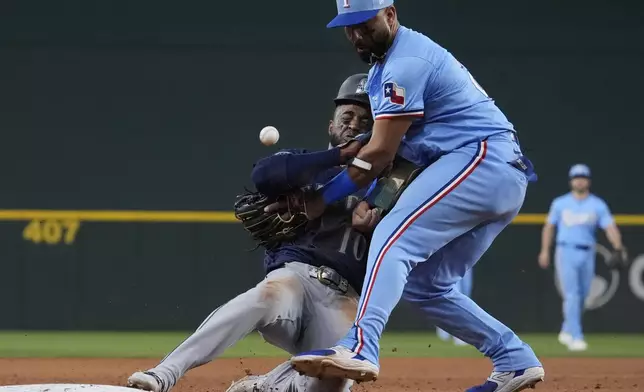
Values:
[(354, 241)]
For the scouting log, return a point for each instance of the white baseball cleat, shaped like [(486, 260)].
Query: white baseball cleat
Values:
[(511, 381), (460, 342), (578, 345), (564, 338), (335, 362), (442, 335), (146, 381), (247, 384)]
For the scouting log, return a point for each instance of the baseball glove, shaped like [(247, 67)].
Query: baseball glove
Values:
[(270, 229), (618, 259), (391, 184)]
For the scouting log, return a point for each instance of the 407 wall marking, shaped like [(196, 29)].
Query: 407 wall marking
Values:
[(51, 231)]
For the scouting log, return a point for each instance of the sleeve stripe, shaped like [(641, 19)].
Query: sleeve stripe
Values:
[(416, 113)]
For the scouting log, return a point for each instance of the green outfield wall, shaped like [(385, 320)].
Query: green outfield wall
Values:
[(129, 127)]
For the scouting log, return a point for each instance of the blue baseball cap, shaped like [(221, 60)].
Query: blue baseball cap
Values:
[(352, 12), (579, 170)]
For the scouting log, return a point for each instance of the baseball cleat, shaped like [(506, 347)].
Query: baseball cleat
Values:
[(335, 362), (459, 342), (146, 381), (247, 384), (511, 381), (442, 335), (564, 338), (578, 345)]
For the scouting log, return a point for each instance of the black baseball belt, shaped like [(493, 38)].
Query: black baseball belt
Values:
[(329, 277), (576, 246)]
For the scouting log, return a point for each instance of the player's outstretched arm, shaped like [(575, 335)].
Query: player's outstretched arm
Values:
[(288, 169), (277, 174)]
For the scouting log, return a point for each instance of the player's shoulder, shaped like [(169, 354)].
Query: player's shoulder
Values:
[(561, 199), (414, 47), (412, 41), (597, 200)]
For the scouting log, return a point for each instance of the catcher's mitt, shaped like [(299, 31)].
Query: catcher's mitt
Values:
[(269, 229), (618, 259)]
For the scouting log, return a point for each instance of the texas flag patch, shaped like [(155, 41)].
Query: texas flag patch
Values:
[(394, 93)]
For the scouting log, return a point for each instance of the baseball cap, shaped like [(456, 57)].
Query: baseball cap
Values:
[(579, 170), (352, 12)]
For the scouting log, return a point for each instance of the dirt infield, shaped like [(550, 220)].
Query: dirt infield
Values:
[(397, 374)]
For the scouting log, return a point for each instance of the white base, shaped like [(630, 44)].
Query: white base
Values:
[(65, 388)]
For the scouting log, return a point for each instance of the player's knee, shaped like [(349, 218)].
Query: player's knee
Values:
[(422, 295)]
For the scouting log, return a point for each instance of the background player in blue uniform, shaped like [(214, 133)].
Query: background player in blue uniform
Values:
[(292, 307), (429, 109), (576, 217), (464, 286)]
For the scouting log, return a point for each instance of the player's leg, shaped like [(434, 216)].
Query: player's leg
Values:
[(329, 314), (284, 379), (567, 268), (431, 288), (464, 286), (454, 195), (276, 301), (466, 283), (442, 335), (586, 276), (326, 316)]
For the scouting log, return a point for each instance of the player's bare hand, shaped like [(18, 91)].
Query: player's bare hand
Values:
[(544, 260), (365, 218), (623, 252), (350, 150)]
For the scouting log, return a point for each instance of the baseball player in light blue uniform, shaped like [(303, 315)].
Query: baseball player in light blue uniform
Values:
[(430, 110), (576, 217), (464, 286)]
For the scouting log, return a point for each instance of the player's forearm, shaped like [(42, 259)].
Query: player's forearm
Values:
[(355, 178), (280, 173), (378, 157), (547, 234), (370, 161), (614, 236)]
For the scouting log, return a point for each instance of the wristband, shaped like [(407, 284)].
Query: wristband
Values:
[(338, 188), (360, 164)]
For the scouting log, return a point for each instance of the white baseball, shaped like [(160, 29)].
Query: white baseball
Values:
[(269, 135)]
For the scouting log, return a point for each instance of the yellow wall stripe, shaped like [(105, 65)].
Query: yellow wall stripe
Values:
[(121, 216), (210, 216)]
